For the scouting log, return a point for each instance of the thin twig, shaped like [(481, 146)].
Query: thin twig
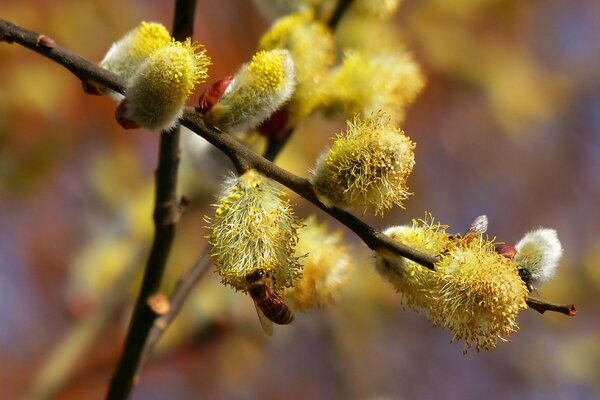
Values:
[(180, 293), (543, 306), (340, 9), (167, 212)]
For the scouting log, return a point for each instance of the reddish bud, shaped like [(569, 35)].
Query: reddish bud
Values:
[(159, 303), (45, 41), (120, 115), (90, 88), (275, 126), (506, 250), (213, 93)]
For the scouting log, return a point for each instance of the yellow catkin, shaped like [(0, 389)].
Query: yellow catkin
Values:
[(258, 89), (162, 84), (311, 46), (328, 263), (254, 228), (479, 296), (411, 280), (366, 167), (128, 53), (365, 83)]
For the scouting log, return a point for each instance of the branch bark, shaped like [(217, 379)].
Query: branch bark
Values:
[(167, 212)]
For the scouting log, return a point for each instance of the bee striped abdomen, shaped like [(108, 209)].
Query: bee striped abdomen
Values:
[(267, 300)]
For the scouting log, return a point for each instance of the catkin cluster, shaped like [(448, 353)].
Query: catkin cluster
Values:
[(473, 291), (161, 74)]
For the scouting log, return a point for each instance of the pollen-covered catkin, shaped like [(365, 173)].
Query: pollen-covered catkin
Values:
[(128, 53), (366, 167), (311, 46), (365, 83), (479, 296), (473, 291), (258, 89), (161, 85), (539, 252), (254, 228), (411, 280), (328, 263)]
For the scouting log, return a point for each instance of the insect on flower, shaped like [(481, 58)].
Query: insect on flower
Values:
[(476, 229), (269, 305)]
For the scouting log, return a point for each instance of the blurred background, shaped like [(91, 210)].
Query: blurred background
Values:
[(508, 125)]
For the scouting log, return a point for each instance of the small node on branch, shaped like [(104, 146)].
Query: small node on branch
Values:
[(184, 201), (159, 304), (45, 42)]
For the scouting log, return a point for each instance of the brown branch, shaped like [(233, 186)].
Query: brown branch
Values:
[(245, 158), (542, 306), (188, 281), (242, 157), (167, 212), (82, 68), (180, 293), (340, 9)]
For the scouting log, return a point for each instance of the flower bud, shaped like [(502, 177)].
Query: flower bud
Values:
[(366, 83), (128, 53), (366, 166), (311, 46), (254, 228), (162, 84), (539, 252), (327, 266), (258, 89)]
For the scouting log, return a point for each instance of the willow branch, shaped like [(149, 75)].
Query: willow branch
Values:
[(167, 211), (542, 306), (81, 67), (189, 279), (242, 157), (340, 9), (182, 290)]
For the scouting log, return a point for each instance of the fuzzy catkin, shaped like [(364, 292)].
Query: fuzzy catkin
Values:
[(254, 228)]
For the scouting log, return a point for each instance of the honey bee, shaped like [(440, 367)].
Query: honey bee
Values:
[(476, 229), (269, 305)]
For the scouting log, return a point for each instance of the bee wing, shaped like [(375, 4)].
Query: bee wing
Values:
[(478, 227), (265, 322)]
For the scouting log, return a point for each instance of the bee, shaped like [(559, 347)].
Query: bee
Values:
[(526, 277), (269, 305), (476, 229)]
